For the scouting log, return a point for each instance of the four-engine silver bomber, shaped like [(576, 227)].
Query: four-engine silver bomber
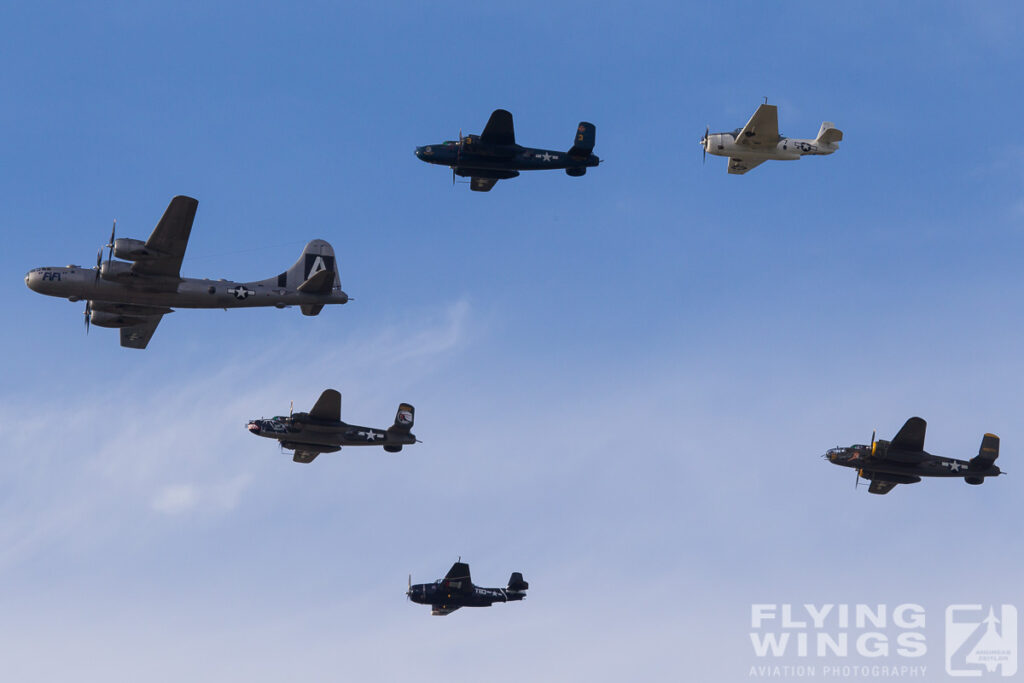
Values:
[(322, 431), (759, 141), (135, 296)]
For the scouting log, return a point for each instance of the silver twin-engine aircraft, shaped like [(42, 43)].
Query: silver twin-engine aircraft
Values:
[(759, 141), (135, 296)]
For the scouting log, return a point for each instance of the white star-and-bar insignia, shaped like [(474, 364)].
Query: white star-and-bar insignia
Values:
[(547, 157), (240, 292), (370, 435), (953, 466)]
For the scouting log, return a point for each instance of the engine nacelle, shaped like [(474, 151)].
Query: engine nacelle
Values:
[(131, 250), (718, 141), (115, 270), (104, 319)]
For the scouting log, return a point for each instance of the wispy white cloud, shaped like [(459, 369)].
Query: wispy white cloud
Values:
[(176, 499), (92, 468)]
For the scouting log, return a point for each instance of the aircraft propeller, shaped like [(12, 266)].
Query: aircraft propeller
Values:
[(704, 143), (99, 252), (857, 482), (458, 155), (88, 314), (110, 244), (408, 591)]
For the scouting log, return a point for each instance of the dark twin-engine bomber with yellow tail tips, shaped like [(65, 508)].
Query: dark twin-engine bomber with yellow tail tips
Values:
[(904, 460), (494, 155), (133, 294), (322, 431)]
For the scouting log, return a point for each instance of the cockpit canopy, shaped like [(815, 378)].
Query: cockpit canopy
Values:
[(844, 453)]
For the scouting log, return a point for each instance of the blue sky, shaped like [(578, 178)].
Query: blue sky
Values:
[(622, 381)]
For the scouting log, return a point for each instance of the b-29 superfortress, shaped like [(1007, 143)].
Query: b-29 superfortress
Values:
[(135, 293)]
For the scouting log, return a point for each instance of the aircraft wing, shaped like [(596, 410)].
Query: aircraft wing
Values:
[(137, 336), (739, 166), (304, 456), (328, 406), (442, 610), (498, 130), (910, 437), (881, 487), (762, 130), (458, 578), (169, 239), (482, 184)]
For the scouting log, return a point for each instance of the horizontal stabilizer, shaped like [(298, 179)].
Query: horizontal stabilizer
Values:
[(829, 133), (320, 282), (987, 454), (583, 143), (311, 309)]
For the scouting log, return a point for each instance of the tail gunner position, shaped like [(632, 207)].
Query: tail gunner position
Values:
[(456, 590), (322, 431), (134, 294), (494, 155), (904, 460)]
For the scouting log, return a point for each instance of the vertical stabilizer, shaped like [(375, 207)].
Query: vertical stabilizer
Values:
[(316, 271)]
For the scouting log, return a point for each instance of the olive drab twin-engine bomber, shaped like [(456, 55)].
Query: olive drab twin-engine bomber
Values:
[(759, 141), (322, 431), (456, 590), (494, 155), (134, 293), (904, 460)]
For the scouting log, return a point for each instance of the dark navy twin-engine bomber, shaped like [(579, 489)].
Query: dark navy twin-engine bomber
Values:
[(135, 293), (494, 155), (456, 590), (322, 431), (904, 460)]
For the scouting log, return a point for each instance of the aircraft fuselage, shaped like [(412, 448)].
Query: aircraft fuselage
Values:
[(909, 464), (324, 436), (471, 158), (441, 593), (77, 283), (787, 149)]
